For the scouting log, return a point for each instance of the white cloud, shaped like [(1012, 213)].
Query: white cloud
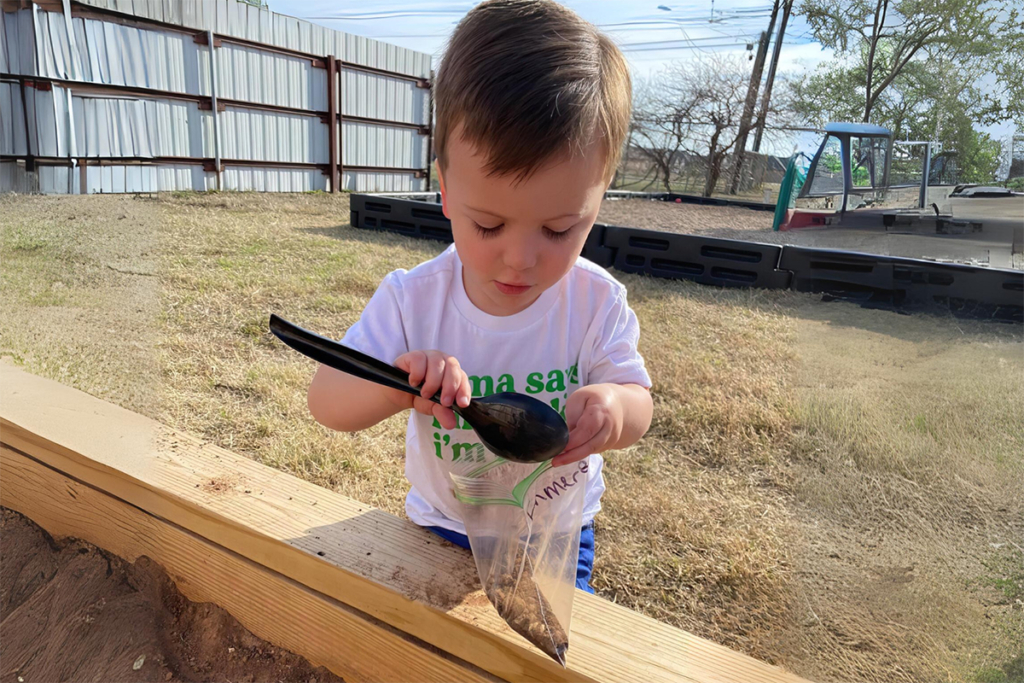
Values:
[(802, 58)]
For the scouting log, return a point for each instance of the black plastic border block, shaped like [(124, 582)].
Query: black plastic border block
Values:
[(837, 272), (404, 216), (594, 248), (965, 290), (707, 260), (890, 281), (714, 201), (425, 219)]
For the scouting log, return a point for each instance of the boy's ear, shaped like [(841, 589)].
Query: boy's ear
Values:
[(444, 195)]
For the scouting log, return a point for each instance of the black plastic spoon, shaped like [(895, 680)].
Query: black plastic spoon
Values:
[(514, 426)]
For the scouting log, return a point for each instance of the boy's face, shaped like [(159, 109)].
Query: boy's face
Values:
[(518, 239)]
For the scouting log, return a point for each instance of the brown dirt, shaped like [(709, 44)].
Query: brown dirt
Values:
[(520, 602), (691, 219), (69, 611), (756, 226)]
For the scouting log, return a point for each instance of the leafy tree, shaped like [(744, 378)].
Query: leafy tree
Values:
[(878, 39), (925, 69)]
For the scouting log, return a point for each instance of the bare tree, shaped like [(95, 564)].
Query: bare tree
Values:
[(689, 114), (661, 129)]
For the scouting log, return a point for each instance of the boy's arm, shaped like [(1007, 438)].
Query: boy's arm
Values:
[(349, 404), (637, 412), (603, 417), (614, 411)]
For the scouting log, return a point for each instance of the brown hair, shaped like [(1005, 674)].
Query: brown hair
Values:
[(526, 81)]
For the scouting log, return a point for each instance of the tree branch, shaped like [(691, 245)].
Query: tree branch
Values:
[(871, 55), (897, 68)]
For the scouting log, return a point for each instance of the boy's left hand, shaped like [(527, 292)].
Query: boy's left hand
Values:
[(594, 415)]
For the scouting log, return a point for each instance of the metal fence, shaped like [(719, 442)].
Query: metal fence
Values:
[(1015, 170), (121, 96), (687, 173)]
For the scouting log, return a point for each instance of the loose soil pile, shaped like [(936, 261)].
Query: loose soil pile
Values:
[(731, 222), (72, 612), (520, 602)]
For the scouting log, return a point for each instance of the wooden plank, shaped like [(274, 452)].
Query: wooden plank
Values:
[(372, 561), (288, 614)]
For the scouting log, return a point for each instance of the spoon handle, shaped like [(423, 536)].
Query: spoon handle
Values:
[(340, 357)]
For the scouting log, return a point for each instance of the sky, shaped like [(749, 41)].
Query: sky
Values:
[(651, 33)]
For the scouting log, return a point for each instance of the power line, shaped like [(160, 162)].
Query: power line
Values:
[(683, 47), (664, 24), (687, 39)]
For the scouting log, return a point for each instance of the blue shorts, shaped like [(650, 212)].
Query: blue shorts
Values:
[(584, 566)]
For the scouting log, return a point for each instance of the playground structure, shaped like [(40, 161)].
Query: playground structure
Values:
[(861, 180)]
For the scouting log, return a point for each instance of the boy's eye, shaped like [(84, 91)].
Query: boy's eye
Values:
[(486, 232), (556, 235)]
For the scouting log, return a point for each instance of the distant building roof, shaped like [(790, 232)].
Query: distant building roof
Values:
[(777, 163), (857, 129)]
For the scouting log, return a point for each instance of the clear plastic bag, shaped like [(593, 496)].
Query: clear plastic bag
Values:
[(523, 524)]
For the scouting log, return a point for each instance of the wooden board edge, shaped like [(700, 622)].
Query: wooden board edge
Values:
[(288, 615), (117, 451), (498, 655)]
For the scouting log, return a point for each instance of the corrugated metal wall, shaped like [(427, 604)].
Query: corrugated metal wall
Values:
[(375, 96), (64, 98)]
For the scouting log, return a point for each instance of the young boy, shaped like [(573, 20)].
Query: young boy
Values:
[(533, 105)]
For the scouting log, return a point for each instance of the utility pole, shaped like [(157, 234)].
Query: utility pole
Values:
[(748, 106), (766, 98)]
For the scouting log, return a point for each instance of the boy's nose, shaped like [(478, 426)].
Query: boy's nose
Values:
[(522, 256)]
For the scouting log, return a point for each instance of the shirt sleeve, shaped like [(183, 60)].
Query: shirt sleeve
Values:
[(380, 331), (614, 357)]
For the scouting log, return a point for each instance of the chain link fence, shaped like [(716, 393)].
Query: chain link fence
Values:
[(643, 170)]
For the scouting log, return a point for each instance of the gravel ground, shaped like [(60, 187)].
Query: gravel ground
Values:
[(691, 219), (756, 226)]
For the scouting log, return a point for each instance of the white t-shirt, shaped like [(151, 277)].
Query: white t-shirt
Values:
[(580, 331)]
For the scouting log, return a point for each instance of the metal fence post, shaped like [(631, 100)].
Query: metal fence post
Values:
[(430, 129), (847, 152), (213, 108), (341, 126), (332, 121), (923, 196)]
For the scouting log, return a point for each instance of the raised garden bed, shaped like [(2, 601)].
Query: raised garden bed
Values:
[(902, 283), (74, 612), (365, 594)]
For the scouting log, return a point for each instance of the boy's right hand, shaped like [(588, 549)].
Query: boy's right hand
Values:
[(435, 370)]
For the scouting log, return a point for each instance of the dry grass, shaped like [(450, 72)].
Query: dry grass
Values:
[(78, 293), (830, 488), (694, 531), (907, 465), (236, 259)]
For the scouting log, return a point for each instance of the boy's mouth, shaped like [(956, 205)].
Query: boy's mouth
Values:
[(511, 290)]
